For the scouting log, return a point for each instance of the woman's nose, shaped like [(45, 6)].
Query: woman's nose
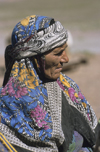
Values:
[(64, 58)]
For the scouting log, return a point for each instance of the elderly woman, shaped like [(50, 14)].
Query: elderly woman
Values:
[(43, 110)]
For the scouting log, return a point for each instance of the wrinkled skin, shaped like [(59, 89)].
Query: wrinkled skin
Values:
[(54, 61)]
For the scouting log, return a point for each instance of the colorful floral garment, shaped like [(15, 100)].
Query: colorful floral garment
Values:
[(30, 107), (26, 107)]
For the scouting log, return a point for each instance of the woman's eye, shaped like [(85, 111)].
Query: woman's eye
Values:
[(60, 53)]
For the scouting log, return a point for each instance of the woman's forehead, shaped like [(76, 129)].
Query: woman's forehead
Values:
[(60, 48)]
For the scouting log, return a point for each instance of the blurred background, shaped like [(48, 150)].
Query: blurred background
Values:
[(82, 20)]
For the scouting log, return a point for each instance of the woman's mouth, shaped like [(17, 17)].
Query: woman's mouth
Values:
[(59, 68)]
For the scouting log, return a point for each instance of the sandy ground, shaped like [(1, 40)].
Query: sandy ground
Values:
[(86, 75)]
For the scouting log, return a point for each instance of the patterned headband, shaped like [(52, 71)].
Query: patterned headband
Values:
[(39, 42)]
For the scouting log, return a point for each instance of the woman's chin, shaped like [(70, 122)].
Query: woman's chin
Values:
[(53, 77)]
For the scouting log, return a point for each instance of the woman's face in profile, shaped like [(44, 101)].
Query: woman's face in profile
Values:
[(54, 61)]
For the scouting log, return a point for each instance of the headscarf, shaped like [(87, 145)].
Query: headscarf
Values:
[(26, 100), (36, 35)]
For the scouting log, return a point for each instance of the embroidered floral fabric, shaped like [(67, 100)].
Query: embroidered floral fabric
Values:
[(24, 102), (78, 100)]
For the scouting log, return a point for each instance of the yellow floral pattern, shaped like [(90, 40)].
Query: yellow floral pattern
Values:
[(25, 75), (71, 92), (25, 21), (15, 69), (64, 81)]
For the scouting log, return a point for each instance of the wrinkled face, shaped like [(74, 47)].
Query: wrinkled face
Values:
[(54, 61)]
